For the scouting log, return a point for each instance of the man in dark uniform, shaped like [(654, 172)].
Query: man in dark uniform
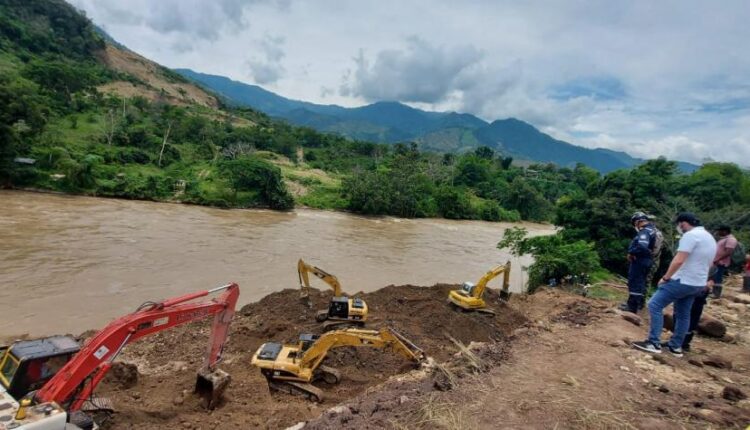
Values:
[(641, 257)]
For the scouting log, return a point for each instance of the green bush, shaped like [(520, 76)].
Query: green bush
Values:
[(454, 203), (554, 257)]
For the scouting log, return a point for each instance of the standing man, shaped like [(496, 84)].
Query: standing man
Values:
[(724, 249), (641, 257), (685, 279)]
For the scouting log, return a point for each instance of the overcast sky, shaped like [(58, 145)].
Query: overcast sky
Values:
[(652, 78)]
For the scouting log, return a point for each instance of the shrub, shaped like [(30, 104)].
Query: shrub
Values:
[(554, 257)]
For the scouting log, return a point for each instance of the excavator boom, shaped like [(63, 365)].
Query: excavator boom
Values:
[(385, 338), (304, 280), (490, 275), (74, 382), (470, 296), (292, 368)]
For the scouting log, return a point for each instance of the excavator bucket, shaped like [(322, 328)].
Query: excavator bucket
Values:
[(504, 295), (210, 386)]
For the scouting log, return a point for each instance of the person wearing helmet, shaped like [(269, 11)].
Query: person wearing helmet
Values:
[(641, 257)]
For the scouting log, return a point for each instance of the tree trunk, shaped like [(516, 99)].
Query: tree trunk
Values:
[(164, 142)]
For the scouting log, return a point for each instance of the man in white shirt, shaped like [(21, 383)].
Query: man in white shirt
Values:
[(684, 280)]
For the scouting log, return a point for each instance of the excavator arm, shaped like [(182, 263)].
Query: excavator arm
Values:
[(385, 338), (490, 275), (75, 382), (304, 280)]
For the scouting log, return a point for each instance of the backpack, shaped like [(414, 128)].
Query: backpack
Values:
[(659, 242), (738, 255)]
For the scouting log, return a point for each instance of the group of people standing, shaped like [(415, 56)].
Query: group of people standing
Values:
[(697, 270)]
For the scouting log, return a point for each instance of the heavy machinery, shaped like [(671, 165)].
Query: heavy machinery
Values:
[(293, 368), (470, 296), (343, 311), (47, 384)]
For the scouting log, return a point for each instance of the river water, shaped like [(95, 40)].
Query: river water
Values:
[(71, 263)]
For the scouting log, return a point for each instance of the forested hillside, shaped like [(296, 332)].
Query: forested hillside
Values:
[(80, 116)]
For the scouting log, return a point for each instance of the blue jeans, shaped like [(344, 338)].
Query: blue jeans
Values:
[(682, 296)]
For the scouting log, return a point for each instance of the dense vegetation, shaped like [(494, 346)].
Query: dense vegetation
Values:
[(79, 140)]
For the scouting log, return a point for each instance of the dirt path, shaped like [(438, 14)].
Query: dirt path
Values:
[(572, 367)]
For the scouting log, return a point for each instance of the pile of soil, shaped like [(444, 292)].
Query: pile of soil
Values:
[(167, 362)]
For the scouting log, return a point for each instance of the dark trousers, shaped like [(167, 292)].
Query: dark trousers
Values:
[(637, 275), (718, 278), (695, 316)]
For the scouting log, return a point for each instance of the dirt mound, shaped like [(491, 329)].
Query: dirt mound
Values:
[(167, 362), (578, 313)]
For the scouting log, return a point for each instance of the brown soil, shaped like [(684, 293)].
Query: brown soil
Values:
[(155, 83), (162, 396), (573, 373)]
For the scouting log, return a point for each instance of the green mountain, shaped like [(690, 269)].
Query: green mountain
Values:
[(391, 122)]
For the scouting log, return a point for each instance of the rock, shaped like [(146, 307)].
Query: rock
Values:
[(718, 362), (624, 369), (299, 426), (711, 327), (695, 362), (730, 317), (135, 395), (123, 374), (631, 318), (178, 400), (741, 298), (403, 399), (338, 409), (739, 307), (708, 415), (733, 393), (663, 389), (720, 302), (729, 338), (661, 359)]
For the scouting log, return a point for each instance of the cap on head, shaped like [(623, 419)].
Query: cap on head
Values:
[(687, 217), (639, 216)]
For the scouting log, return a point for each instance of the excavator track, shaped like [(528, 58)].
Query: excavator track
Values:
[(328, 374), (307, 391), (341, 325)]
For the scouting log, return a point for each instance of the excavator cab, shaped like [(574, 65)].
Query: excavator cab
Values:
[(467, 289), (27, 365)]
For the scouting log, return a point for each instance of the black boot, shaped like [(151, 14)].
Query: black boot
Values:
[(686, 342)]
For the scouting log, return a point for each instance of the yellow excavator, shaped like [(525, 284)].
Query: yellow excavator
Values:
[(469, 297), (293, 368), (342, 311)]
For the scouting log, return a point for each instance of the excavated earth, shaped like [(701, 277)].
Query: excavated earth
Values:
[(153, 387)]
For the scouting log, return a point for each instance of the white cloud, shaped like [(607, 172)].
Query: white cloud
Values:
[(652, 78)]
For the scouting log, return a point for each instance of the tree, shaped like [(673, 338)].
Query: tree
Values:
[(485, 152), (555, 257), (453, 202), (251, 174)]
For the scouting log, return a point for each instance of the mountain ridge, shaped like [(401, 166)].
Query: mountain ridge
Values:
[(392, 122)]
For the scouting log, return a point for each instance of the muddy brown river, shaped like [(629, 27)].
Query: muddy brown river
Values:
[(70, 263)]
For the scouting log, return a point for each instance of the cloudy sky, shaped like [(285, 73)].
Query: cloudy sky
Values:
[(652, 78)]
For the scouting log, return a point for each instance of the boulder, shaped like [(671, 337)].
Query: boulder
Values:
[(733, 393), (718, 362), (708, 325), (631, 318)]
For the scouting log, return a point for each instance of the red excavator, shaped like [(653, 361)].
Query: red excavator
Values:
[(46, 384)]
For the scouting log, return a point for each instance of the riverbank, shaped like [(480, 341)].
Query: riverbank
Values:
[(549, 360), (60, 252)]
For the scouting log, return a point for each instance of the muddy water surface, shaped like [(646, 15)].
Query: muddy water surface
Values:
[(70, 263)]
